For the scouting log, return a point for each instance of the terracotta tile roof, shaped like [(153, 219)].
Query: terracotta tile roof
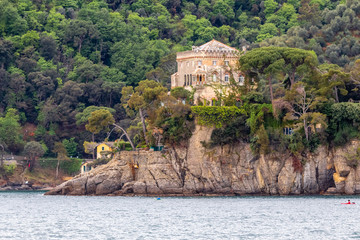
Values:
[(109, 144), (214, 46)]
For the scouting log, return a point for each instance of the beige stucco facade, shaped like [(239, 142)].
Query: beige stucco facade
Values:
[(206, 67), (102, 148)]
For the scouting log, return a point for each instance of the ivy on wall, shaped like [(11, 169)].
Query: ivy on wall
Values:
[(215, 116)]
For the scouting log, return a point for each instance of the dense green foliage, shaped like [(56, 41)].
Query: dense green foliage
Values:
[(10, 130), (173, 123), (61, 61), (330, 28), (70, 146), (344, 122)]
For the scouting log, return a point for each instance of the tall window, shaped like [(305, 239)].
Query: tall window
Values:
[(199, 63), (288, 131), (214, 63), (226, 77), (241, 80), (226, 63), (214, 77)]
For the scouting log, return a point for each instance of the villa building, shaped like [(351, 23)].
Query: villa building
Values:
[(205, 67), (104, 149)]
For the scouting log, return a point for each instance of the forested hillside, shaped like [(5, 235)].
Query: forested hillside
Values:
[(59, 57)]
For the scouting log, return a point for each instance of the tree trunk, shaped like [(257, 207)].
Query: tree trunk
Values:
[(2, 155), (80, 45), (93, 140), (101, 47), (271, 94), (143, 125), (306, 129), (110, 98), (336, 94), (292, 79), (126, 134), (57, 169), (271, 90), (31, 164)]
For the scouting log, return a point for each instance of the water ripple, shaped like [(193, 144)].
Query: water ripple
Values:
[(30, 215)]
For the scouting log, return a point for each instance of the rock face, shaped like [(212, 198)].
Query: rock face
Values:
[(230, 170)]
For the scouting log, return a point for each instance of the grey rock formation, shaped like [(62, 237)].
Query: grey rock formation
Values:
[(228, 170)]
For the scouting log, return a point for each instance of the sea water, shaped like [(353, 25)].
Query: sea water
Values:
[(31, 215)]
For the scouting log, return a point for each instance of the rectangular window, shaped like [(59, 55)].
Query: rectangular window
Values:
[(214, 63), (103, 148), (199, 63), (226, 77), (226, 63)]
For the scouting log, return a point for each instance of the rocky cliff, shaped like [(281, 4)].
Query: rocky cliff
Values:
[(230, 170)]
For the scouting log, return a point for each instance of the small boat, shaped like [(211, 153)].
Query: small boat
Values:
[(348, 203)]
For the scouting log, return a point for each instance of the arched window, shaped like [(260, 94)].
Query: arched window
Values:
[(226, 77), (214, 77), (288, 131), (241, 80)]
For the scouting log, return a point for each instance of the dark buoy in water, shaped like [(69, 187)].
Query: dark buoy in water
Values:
[(158, 198)]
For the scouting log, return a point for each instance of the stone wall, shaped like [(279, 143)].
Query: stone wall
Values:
[(231, 170)]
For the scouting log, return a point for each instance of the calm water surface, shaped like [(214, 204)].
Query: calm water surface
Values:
[(30, 215)]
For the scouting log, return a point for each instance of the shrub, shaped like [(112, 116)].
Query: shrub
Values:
[(177, 129), (9, 169), (70, 167), (181, 94), (313, 143), (122, 145), (353, 158), (233, 132), (345, 133), (257, 113)]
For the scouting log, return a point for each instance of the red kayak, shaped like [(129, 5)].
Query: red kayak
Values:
[(348, 203)]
